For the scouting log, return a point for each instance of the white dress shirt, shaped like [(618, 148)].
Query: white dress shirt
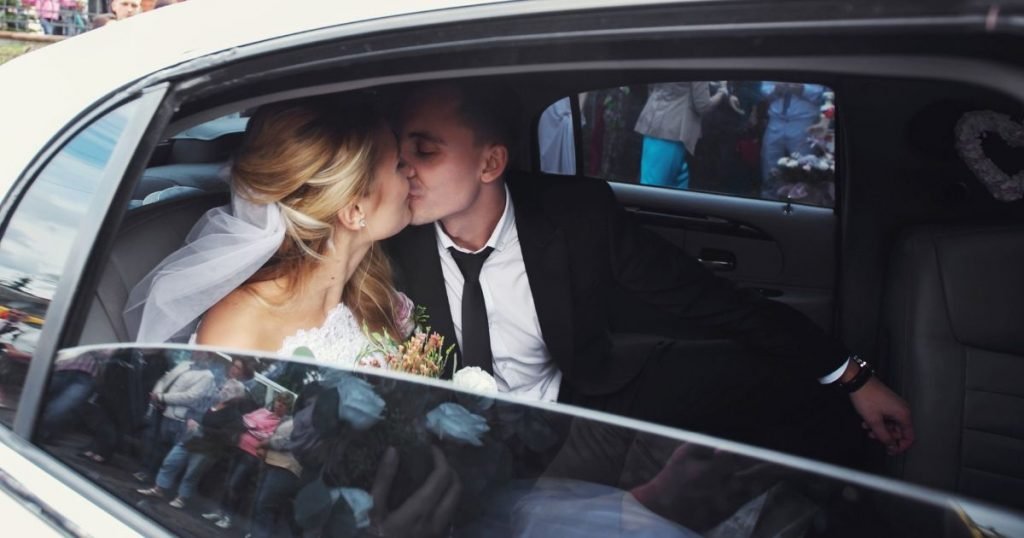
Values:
[(522, 364)]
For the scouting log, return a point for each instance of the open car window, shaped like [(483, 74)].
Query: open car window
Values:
[(764, 139), (193, 441)]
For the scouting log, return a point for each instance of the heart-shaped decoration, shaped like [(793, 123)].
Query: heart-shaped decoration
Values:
[(971, 130)]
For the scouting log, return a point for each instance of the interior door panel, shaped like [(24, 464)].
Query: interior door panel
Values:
[(785, 252)]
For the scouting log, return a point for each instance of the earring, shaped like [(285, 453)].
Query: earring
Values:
[(362, 223)]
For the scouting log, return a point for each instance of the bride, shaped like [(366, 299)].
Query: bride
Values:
[(293, 261)]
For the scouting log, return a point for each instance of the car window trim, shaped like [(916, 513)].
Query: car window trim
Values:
[(72, 275)]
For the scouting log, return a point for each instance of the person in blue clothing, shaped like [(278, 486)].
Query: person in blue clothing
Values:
[(792, 110)]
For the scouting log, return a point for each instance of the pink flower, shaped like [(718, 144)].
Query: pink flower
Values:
[(404, 314), (370, 362)]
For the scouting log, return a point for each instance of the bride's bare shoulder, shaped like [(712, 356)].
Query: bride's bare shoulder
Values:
[(239, 320)]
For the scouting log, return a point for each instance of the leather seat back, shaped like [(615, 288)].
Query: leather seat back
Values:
[(955, 327), (148, 234)]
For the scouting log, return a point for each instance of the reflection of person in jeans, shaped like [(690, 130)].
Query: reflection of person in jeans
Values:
[(792, 110), (278, 484), (670, 124), (220, 424), (179, 394), (70, 386), (260, 425)]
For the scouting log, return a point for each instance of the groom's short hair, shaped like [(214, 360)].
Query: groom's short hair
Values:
[(490, 109)]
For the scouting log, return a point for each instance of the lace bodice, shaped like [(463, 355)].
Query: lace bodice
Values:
[(339, 341)]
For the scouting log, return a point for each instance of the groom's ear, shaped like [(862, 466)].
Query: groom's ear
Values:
[(495, 162), (350, 217)]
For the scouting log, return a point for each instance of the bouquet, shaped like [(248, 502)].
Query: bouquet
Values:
[(422, 352), (808, 179), (369, 414)]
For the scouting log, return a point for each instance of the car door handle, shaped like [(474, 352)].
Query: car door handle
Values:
[(717, 260)]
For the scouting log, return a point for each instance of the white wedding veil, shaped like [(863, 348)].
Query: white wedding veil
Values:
[(226, 247)]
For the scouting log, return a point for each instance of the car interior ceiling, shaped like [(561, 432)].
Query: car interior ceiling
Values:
[(901, 178)]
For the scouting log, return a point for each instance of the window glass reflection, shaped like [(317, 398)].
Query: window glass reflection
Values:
[(205, 442), (37, 241)]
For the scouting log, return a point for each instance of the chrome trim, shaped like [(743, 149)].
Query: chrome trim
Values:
[(65, 500)]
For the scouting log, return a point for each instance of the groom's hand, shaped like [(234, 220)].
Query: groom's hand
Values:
[(886, 416), (427, 512), (701, 486)]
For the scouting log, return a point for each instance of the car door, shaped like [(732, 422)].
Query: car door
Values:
[(52, 217), (368, 448), (751, 193)]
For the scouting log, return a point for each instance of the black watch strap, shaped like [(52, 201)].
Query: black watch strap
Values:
[(866, 372)]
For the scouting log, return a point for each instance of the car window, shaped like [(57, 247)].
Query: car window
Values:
[(326, 451), (37, 241), (756, 139), (192, 162)]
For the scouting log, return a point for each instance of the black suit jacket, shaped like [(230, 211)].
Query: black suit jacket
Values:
[(580, 249)]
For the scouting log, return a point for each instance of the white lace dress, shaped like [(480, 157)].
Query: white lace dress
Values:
[(339, 341)]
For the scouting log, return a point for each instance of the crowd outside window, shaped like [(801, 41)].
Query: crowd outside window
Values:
[(792, 110), (670, 123), (123, 9), (55, 15)]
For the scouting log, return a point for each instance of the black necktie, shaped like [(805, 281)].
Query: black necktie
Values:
[(476, 339)]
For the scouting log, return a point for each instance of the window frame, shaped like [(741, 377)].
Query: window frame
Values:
[(74, 272)]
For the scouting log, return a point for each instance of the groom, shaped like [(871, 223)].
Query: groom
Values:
[(520, 273)]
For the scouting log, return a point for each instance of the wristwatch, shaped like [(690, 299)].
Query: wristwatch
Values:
[(865, 373)]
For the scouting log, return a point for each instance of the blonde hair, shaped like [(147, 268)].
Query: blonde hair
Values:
[(314, 157)]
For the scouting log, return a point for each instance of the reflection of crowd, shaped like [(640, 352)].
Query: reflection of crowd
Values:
[(767, 139), (472, 466), (196, 415)]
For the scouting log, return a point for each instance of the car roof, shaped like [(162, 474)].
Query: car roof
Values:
[(58, 84), (60, 81)]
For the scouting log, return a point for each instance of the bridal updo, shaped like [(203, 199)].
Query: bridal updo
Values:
[(313, 157)]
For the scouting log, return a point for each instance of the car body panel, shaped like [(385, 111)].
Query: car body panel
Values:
[(519, 425), (157, 52), (41, 504), (125, 52)]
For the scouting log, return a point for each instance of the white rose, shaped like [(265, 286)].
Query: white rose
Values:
[(474, 379), (452, 421), (358, 404), (358, 500)]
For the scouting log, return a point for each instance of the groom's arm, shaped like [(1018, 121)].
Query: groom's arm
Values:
[(658, 273)]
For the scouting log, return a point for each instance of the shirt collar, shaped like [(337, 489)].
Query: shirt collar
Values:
[(503, 233)]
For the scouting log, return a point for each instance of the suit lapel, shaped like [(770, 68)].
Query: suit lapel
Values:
[(424, 283), (546, 257)]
